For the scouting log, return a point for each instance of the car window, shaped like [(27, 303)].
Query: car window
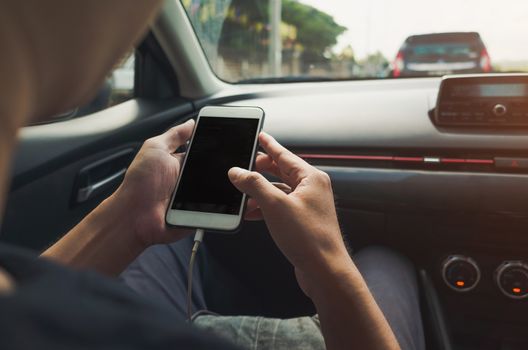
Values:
[(444, 50), (118, 87), (289, 40), (122, 81)]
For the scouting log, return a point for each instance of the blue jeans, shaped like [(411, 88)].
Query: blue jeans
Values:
[(160, 273)]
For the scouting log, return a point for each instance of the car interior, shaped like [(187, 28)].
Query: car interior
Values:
[(433, 166)]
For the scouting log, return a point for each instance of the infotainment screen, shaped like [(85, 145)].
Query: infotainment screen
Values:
[(489, 90)]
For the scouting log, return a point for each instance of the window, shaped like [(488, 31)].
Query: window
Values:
[(305, 40), (122, 81), (118, 87)]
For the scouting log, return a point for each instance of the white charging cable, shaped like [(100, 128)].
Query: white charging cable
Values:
[(198, 237)]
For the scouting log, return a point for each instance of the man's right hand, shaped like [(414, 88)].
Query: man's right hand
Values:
[(303, 223)]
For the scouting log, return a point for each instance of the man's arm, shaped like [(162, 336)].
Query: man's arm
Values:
[(133, 218), (104, 241), (304, 225), (349, 315)]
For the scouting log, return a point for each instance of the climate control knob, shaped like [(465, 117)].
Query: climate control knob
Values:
[(512, 279), (460, 273), (500, 110)]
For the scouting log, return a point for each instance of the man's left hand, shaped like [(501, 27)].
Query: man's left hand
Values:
[(149, 183)]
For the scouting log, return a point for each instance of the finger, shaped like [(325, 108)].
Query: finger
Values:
[(283, 187), (290, 165), (252, 212), (178, 156), (265, 164), (256, 186), (254, 215), (251, 205), (176, 136)]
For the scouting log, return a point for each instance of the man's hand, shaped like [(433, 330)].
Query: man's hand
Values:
[(150, 182), (303, 223), (132, 218)]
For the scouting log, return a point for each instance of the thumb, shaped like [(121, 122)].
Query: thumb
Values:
[(255, 185)]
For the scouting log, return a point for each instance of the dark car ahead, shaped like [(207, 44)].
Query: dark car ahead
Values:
[(442, 53)]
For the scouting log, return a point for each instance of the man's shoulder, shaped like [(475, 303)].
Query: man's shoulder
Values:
[(52, 304)]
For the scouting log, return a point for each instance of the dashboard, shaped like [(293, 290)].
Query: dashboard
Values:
[(381, 134), (391, 114), (443, 195)]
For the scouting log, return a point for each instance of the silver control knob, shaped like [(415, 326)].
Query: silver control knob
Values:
[(500, 110), (460, 273), (512, 279)]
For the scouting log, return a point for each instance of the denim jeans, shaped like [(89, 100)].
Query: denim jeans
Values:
[(160, 273)]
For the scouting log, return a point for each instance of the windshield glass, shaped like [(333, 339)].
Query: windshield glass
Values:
[(288, 40)]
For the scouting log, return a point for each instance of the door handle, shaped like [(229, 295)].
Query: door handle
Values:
[(102, 176), (91, 190)]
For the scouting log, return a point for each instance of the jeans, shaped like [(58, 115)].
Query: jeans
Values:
[(160, 273)]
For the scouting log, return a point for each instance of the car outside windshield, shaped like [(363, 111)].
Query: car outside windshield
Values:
[(261, 41)]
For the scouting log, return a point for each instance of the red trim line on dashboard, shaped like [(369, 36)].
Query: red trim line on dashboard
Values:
[(409, 159), (452, 160), (467, 161), (394, 159), (344, 156), (480, 161)]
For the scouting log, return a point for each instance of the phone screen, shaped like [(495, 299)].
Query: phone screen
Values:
[(218, 145)]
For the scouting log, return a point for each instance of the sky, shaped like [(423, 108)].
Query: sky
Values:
[(383, 25)]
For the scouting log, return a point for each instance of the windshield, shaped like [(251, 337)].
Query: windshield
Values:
[(309, 40)]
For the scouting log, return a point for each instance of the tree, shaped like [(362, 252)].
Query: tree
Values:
[(316, 31), (374, 65), (376, 58), (246, 29), (244, 32)]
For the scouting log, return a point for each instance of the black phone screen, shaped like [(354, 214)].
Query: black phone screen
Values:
[(218, 145)]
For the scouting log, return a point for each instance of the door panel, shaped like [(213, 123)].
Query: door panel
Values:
[(45, 148), (54, 162)]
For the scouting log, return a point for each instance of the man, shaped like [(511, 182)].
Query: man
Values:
[(55, 54)]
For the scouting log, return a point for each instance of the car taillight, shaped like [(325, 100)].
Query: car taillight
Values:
[(485, 62), (399, 64)]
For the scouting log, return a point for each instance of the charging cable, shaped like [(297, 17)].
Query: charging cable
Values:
[(198, 237)]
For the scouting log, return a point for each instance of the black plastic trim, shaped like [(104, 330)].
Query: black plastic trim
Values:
[(155, 77), (461, 192), (435, 319)]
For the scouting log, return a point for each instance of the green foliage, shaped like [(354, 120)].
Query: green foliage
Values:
[(239, 32), (316, 30), (376, 58)]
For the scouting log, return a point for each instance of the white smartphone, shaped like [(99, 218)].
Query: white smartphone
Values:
[(224, 137)]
